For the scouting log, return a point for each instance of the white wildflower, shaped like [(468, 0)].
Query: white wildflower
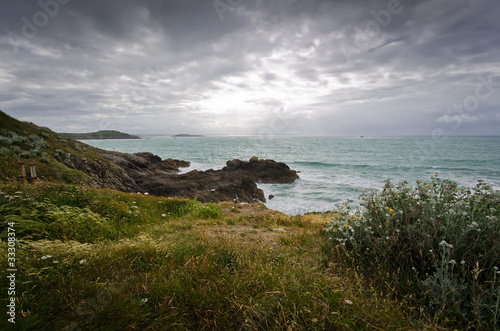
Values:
[(462, 262), (144, 300), (83, 261), (349, 302), (46, 257), (163, 215), (55, 261), (452, 262), (146, 193)]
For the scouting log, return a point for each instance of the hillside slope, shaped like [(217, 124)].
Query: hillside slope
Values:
[(57, 158)]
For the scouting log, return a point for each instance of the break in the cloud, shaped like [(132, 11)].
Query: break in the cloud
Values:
[(315, 67)]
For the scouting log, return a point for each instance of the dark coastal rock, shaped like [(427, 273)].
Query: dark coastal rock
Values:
[(206, 186), (264, 171), (144, 164), (146, 172)]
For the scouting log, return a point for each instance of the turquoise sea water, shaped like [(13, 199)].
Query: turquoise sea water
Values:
[(333, 169)]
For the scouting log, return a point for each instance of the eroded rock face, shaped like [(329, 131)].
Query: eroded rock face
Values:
[(264, 171), (147, 172), (206, 186)]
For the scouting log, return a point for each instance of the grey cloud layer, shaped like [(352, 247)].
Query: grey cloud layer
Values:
[(285, 66)]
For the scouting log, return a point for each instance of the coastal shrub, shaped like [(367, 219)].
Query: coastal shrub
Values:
[(35, 152), (16, 150), (5, 141), (33, 137), (437, 241), (37, 142), (58, 155), (17, 139)]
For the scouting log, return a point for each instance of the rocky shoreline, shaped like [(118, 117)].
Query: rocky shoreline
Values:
[(237, 181)]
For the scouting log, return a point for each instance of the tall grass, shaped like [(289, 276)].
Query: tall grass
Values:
[(104, 260), (437, 242)]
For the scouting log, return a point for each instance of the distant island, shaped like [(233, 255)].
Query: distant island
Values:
[(103, 134), (187, 135)]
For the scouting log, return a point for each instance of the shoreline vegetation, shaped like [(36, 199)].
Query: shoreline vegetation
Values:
[(92, 255)]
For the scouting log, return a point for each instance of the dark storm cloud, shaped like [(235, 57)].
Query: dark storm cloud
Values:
[(241, 66)]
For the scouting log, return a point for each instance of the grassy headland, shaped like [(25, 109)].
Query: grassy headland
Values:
[(103, 259), (103, 134)]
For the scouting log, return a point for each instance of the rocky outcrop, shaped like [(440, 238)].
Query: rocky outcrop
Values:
[(206, 186), (146, 172), (235, 182), (264, 171), (144, 164)]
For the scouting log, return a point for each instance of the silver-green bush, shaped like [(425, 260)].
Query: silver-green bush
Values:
[(439, 240)]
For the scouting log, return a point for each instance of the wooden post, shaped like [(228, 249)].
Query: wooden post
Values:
[(33, 170), (23, 172)]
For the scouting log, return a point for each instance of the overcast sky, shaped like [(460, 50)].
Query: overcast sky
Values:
[(268, 67)]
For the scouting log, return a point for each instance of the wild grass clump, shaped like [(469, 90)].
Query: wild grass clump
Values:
[(48, 221), (436, 241), (70, 212)]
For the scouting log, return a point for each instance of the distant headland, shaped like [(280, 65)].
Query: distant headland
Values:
[(103, 134), (187, 135)]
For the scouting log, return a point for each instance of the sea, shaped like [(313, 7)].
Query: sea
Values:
[(332, 169)]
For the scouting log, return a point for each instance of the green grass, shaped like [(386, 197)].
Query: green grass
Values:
[(106, 260)]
